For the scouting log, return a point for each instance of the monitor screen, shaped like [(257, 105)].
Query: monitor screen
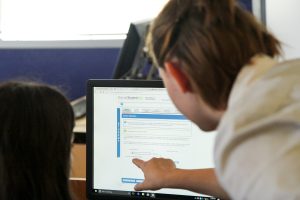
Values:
[(136, 119)]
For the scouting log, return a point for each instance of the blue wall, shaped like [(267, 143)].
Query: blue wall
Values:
[(247, 4), (66, 68)]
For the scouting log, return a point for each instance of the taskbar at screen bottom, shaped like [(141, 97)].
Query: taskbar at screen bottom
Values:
[(146, 195)]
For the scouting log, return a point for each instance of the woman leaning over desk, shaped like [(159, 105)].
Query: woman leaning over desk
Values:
[(218, 65)]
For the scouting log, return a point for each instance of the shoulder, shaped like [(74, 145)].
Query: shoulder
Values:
[(264, 91), (259, 135)]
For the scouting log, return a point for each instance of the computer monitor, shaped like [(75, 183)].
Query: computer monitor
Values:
[(133, 63), (132, 58), (129, 119)]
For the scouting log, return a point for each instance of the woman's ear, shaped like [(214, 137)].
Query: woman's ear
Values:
[(179, 76)]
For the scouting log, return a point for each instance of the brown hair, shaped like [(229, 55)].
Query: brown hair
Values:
[(213, 40)]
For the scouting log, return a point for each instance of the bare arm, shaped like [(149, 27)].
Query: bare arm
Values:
[(162, 173)]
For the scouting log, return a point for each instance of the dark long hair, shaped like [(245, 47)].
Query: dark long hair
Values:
[(36, 123)]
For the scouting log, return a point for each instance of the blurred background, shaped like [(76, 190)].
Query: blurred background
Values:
[(66, 42)]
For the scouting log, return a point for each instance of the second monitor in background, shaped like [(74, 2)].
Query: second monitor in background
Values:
[(133, 62)]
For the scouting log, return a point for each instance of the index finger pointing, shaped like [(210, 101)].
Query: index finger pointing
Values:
[(138, 162)]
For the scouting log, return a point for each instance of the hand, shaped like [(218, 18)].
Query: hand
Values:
[(156, 172)]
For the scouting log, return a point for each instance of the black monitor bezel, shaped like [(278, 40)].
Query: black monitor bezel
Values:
[(130, 58), (90, 124), (89, 138)]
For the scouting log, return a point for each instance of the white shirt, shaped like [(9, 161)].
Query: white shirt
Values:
[(257, 149)]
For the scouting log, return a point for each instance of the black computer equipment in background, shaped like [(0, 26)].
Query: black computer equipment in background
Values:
[(133, 62)]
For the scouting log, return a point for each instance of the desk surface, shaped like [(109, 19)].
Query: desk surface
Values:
[(78, 187), (78, 168)]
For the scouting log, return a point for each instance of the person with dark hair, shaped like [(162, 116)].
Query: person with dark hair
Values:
[(36, 134), (220, 68)]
